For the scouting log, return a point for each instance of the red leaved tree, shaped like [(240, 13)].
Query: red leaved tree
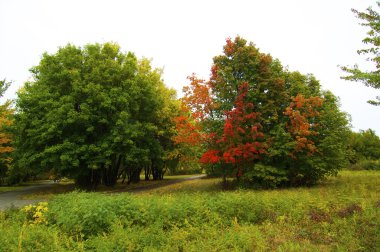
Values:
[(196, 107), (242, 141)]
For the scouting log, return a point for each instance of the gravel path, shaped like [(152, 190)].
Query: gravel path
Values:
[(13, 198)]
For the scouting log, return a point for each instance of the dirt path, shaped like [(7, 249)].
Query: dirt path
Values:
[(14, 198), (172, 182)]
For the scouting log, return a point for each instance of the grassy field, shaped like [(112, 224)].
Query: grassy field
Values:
[(342, 214)]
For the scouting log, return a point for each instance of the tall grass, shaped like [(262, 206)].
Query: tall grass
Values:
[(343, 214)]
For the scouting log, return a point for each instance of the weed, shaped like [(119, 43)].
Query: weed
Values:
[(350, 210), (319, 216)]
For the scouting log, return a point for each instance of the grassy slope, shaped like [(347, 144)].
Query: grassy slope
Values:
[(342, 214)]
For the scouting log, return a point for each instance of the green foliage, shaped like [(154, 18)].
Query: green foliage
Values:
[(366, 165), (335, 216), (264, 176), (85, 214), (4, 85), (364, 145), (371, 19), (92, 113)]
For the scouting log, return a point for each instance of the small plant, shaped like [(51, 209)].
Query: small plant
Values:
[(350, 210), (319, 215), (36, 214)]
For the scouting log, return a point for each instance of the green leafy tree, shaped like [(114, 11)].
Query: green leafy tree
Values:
[(371, 19), (89, 114)]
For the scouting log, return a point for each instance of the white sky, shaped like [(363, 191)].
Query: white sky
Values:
[(183, 36)]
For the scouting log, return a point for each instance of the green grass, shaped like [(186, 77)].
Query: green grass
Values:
[(342, 214)]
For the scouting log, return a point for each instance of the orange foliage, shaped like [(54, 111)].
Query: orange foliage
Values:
[(229, 47), (197, 97), (5, 138), (214, 72), (188, 129), (301, 113)]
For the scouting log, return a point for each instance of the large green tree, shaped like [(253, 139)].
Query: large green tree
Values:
[(90, 113), (371, 19)]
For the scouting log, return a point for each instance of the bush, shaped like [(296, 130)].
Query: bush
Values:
[(366, 165), (80, 213), (264, 176), (36, 214)]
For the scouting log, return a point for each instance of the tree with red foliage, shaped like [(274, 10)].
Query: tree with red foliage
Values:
[(195, 108), (242, 141), (187, 128), (274, 126)]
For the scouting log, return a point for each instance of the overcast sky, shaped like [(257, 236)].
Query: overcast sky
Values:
[(182, 37)]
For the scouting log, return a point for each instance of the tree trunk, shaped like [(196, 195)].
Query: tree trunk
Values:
[(88, 179), (111, 172), (147, 170), (134, 175), (157, 169), (124, 175)]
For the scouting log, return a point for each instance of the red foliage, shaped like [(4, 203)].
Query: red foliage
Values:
[(210, 157), (188, 129), (239, 143)]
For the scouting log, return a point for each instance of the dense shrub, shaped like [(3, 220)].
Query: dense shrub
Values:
[(366, 165), (264, 176)]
